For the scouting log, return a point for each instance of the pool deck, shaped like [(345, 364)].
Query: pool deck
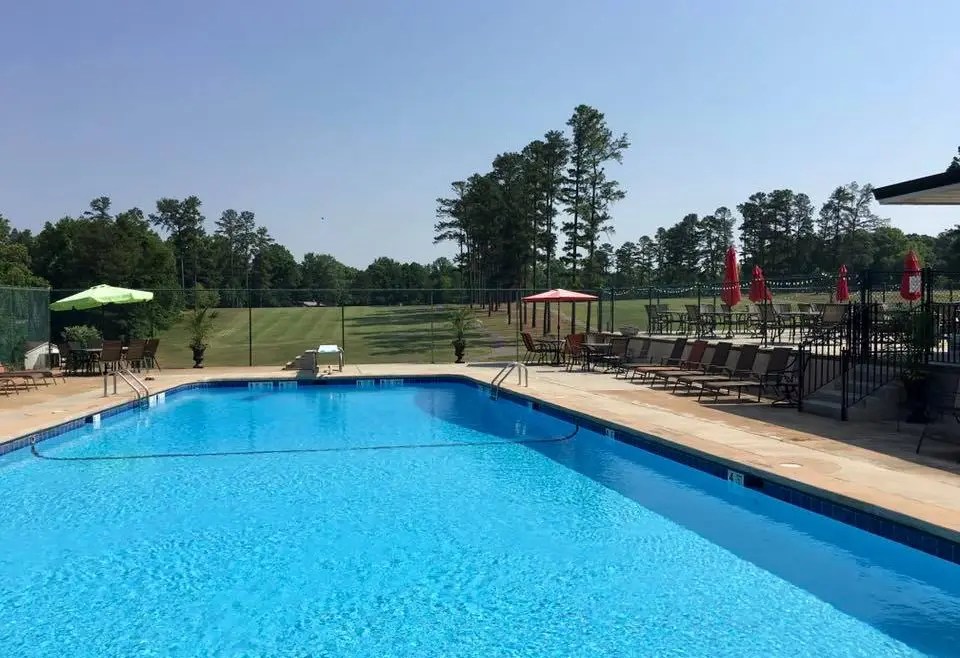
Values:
[(867, 465)]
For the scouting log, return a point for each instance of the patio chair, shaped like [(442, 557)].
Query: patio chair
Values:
[(617, 355), (721, 352), (676, 355), (573, 350), (831, 315), (944, 400), (111, 355), (640, 357), (150, 354), (742, 368), (775, 370), (534, 349), (135, 352), (697, 350), (770, 321)]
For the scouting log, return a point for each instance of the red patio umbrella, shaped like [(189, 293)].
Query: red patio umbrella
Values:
[(758, 287), (843, 290), (730, 293), (560, 295), (910, 286)]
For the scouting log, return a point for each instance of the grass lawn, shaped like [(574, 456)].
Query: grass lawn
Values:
[(371, 334)]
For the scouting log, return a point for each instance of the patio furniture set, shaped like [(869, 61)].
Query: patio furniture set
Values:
[(757, 320), (109, 355)]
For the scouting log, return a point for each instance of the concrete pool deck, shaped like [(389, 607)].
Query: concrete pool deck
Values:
[(866, 465)]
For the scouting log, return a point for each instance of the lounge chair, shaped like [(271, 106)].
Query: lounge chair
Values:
[(693, 360), (35, 376), (676, 355), (640, 357), (718, 362), (776, 369), (742, 368)]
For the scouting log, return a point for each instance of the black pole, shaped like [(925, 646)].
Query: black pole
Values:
[(250, 326)]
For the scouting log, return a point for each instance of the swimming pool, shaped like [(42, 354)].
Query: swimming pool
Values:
[(425, 519)]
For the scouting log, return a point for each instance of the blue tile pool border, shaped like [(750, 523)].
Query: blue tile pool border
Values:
[(822, 503)]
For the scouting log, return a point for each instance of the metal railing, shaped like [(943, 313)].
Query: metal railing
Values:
[(139, 388), (523, 377)]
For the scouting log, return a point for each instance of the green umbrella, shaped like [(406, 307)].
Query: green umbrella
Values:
[(98, 296)]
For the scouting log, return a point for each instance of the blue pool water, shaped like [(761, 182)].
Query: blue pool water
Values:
[(476, 546)]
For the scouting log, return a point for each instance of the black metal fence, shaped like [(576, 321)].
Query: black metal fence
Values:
[(272, 327), (883, 334)]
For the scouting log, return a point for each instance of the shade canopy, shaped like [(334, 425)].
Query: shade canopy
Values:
[(911, 287), (730, 293), (560, 295), (98, 296), (843, 288), (941, 189)]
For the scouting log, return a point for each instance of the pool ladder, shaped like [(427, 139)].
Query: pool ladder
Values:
[(139, 388), (523, 377)]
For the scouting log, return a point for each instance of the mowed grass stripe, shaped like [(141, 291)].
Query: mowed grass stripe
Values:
[(373, 335)]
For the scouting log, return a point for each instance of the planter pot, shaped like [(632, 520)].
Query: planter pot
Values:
[(198, 356), (917, 391), (459, 347)]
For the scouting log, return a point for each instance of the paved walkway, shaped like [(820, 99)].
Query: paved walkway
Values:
[(867, 465)]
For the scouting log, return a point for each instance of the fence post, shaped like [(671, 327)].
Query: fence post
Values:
[(516, 341), (651, 313), (250, 327), (343, 325), (433, 358), (800, 378)]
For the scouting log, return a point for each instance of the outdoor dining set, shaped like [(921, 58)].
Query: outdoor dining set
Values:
[(109, 355), (768, 320)]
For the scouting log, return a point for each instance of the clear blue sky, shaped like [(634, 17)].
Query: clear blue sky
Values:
[(363, 112)]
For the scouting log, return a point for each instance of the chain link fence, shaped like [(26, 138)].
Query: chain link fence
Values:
[(24, 327)]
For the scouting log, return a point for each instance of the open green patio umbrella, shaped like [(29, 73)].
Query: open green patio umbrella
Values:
[(98, 296)]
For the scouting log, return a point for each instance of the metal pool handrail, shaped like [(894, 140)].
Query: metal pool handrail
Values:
[(523, 377)]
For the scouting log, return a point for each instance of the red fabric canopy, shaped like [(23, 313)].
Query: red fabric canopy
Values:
[(910, 285), (758, 287), (843, 289), (730, 292), (560, 295)]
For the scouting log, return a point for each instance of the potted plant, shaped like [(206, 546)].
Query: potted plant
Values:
[(918, 339), (200, 325), (461, 321)]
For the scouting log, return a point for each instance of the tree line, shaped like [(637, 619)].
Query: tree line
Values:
[(541, 217)]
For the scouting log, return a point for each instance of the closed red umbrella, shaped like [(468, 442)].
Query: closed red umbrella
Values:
[(843, 289), (910, 287), (730, 293), (758, 287)]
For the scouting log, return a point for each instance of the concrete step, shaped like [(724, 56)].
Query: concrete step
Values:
[(301, 362), (882, 404)]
